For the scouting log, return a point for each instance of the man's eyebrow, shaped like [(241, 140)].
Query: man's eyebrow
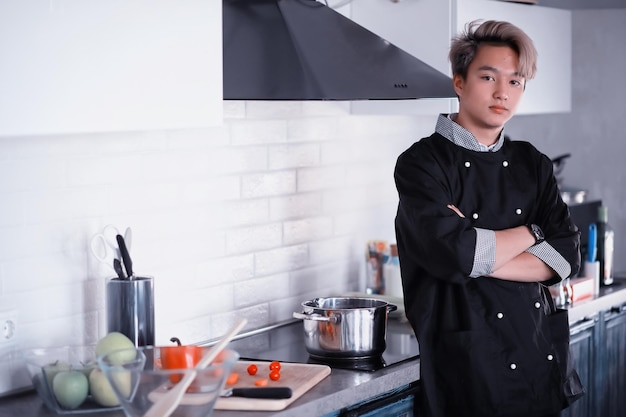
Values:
[(493, 69), (488, 68)]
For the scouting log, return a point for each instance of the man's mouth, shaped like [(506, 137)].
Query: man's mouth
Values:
[(498, 109)]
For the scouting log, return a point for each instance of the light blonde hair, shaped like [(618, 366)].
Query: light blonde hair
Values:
[(492, 32)]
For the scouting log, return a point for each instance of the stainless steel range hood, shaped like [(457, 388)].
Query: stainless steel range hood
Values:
[(304, 50)]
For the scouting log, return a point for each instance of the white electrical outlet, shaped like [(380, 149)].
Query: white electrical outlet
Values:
[(12, 373), (8, 325)]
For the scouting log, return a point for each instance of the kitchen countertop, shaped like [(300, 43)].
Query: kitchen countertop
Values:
[(609, 297), (341, 388)]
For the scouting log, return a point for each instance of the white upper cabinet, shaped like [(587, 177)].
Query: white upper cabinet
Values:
[(71, 66), (421, 28), (425, 28)]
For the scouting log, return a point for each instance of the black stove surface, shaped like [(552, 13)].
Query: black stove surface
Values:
[(285, 343)]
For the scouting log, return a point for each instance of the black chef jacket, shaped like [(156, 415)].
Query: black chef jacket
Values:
[(488, 347)]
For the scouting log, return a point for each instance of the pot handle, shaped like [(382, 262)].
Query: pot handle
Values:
[(391, 307), (305, 316)]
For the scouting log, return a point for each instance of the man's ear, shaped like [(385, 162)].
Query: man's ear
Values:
[(458, 82)]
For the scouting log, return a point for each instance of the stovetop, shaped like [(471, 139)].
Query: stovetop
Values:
[(285, 343)]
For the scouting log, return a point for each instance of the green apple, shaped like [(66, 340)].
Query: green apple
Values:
[(87, 367), (52, 369), (101, 390), (116, 341), (70, 388)]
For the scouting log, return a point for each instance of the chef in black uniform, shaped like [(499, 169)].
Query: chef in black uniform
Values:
[(482, 231)]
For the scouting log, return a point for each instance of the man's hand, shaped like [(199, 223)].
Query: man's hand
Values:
[(525, 267), (512, 263), (456, 210)]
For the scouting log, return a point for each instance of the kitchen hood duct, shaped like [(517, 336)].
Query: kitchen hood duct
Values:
[(304, 50)]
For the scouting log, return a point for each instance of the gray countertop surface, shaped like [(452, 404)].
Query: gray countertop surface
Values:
[(341, 388), (609, 297)]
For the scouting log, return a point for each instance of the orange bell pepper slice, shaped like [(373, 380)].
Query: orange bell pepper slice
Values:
[(232, 379)]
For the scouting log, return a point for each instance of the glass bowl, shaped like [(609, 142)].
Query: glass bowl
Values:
[(44, 363), (141, 381)]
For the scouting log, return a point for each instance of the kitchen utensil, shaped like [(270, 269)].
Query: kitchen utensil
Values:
[(401, 345), (128, 237), (261, 392), (300, 377), (345, 327), (569, 195), (397, 314), (572, 195), (130, 308), (592, 243), (558, 164), (128, 263), (104, 245), (168, 403), (117, 265)]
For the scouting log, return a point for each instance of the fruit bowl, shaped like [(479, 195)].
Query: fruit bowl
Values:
[(142, 381), (44, 364)]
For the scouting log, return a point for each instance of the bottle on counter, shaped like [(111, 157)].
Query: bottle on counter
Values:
[(377, 253), (606, 239), (391, 273)]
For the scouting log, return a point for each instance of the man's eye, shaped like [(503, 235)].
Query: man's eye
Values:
[(487, 77), (516, 82)]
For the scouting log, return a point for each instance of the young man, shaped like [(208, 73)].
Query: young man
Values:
[(481, 232)]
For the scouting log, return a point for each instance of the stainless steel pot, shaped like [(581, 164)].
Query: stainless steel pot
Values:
[(345, 327)]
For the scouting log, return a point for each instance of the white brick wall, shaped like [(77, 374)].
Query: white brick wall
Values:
[(248, 219)]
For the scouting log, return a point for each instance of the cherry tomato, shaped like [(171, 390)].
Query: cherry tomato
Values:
[(252, 369), (275, 366), (275, 375), (261, 382)]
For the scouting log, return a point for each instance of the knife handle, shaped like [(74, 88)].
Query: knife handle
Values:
[(263, 392), (128, 263)]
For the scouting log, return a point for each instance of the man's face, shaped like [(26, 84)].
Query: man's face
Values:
[(489, 95)]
